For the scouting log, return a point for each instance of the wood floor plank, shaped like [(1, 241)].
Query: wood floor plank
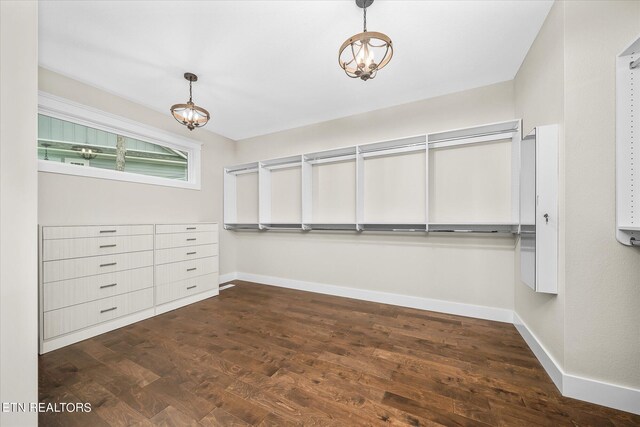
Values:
[(260, 355), (221, 418), (172, 417)]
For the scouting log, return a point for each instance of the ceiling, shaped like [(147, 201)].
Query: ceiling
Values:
[(265, 66)]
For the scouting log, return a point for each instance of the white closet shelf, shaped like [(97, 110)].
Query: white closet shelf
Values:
[(473, 227), (629, 227), (242, 226), (473, 135), (330, 226), (406, 227), (331, 156), (394, 147), (282, 163), (281, 226), (244, 168)]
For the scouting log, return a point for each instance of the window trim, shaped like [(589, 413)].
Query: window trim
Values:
[(64, 109)]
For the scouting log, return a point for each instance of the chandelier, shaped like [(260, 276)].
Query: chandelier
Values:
[(190, 114), (362, 55)]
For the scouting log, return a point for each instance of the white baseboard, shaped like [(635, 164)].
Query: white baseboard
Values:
[(544, 357), (587, 389), (460, 309), (606, 394), (224, 278)]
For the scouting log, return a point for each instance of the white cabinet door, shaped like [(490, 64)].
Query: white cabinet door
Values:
[(547, 209), (539, 209)]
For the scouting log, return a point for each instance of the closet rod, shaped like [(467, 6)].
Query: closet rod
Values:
[(634, 64), (465, 231)]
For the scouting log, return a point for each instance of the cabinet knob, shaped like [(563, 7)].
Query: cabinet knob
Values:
[(546, 218)]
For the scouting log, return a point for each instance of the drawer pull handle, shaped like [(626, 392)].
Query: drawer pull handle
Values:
[(191, 269), (191, 228), (191, 253), (191, 239), (108, 286), (108, 309), (107, 246), (107, 231), (108, 264), (191, 287)]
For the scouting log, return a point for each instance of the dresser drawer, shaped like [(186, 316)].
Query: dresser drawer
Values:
[(185, 228), (164, 256), (65, 293), (75, 248), (74, 232), (176, 240), (167, 273), (81, 267), (64, 320), (184, 288)]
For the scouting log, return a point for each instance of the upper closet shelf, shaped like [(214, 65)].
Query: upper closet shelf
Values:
[(244, 168), (330, 156), (477, 134), (392, 147), (282, 163)]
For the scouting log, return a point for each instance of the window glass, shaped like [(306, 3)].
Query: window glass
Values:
[(66, 142)]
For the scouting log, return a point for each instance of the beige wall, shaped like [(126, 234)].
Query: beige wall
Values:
[(602, 336), (18, 207), (474, 270), (66, 199), (592, 327), (539, 100)]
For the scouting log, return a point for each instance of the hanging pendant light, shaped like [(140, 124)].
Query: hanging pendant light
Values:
[(362, 55), (190, 114)]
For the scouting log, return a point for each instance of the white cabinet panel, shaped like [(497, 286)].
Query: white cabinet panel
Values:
[(185, 228), (64, 320), (76, 291), (80, 267), (164, 241), (165, 256), (539, 209), (547, 209), (175, 271), (75, 248), (184, 288), (73, 232)]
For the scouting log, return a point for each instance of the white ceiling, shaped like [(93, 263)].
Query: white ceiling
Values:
[(266, 66)]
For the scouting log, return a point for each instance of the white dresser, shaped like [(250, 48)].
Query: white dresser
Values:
[(94, 279), (186, 264)]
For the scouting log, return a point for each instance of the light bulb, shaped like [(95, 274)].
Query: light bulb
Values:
[(365, 56)]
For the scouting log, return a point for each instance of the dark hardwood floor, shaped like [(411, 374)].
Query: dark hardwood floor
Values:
[(260, 355)]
